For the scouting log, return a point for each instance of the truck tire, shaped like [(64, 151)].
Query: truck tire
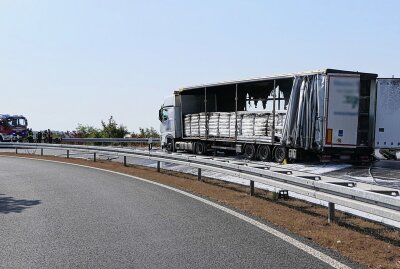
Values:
[(249, 151), (280, 154), (201, 148), (264, 153), (170, 145)]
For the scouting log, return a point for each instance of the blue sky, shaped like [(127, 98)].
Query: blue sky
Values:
[(80, 61)]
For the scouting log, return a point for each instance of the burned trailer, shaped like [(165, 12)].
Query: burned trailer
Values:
[(325, 114)]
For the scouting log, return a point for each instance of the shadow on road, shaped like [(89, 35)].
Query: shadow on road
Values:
[(12, 205)]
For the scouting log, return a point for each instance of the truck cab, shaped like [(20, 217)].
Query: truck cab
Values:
[(170, 123), (12, 128)]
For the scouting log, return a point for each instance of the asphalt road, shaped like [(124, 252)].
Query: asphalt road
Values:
[(61, 216)]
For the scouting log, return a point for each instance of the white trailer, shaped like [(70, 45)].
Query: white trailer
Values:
[(387, 126), (321, 114)]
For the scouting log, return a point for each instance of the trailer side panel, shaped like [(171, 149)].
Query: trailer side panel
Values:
[(343, 108), (387, 127)]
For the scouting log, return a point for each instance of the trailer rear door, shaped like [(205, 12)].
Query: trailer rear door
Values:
[(342, 110), (387, 124)]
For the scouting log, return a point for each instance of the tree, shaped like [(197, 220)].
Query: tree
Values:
[(112, 129), (148, 132), (86, 131), (145, 133), (109, 129)]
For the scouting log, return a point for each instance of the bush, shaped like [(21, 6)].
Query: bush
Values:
[(109, 129)]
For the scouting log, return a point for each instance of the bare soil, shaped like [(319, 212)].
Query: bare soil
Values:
[(371, 244)]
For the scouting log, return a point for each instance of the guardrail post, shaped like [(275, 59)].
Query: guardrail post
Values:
[(158, 166), (198, 173), (94, 156), (67, 153), (41, 152), (331, 212), (124, 160), (251, 188)]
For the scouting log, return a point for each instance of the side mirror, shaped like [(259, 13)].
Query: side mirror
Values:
[(160, 116)]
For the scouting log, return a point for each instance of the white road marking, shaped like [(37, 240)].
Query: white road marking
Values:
[(313, 252)]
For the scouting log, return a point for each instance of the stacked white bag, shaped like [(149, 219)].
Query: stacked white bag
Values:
[(202, 124), (280, 117), (186, 125), (253, 124), (279, 123), (225, 123), (194, 125), (213, 124)]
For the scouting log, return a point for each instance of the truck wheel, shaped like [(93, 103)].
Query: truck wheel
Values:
[(264, 153), (279, 154), (170, 145), (249, 151), (200, 148)]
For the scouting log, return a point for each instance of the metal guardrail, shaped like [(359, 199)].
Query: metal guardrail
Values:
[(154, 140), (368, 198)]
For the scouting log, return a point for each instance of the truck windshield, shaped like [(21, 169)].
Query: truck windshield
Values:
[(17, 122)]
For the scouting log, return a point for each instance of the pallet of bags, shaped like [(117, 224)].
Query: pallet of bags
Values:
[(194, 125), (247, 123), (224, 124), (253, 125), (202, 124), (280, 117), (260, 124), (232, 125), (187, 125), (213, 124)]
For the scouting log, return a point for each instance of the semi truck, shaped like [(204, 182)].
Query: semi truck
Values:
[(13, 127), (324, 114)]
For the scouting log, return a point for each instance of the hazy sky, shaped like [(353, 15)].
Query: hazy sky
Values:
[(80, 61)]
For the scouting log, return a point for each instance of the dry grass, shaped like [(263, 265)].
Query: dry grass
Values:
[(371, 244)]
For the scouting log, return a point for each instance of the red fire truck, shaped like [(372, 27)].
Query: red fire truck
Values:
[(13, 127)]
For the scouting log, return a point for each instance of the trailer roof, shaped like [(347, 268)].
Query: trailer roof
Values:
[(282, 76)]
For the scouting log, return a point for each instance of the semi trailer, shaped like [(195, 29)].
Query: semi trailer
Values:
[(387, 117), (325, 114)]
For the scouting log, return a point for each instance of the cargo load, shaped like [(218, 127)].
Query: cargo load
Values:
[(224, 125)]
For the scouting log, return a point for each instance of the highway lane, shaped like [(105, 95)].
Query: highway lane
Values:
[(56, 215), (384, 172)]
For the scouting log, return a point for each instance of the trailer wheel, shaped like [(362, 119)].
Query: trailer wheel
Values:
[(279, 154), (200, 148), (264, 153), (249, 151)]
